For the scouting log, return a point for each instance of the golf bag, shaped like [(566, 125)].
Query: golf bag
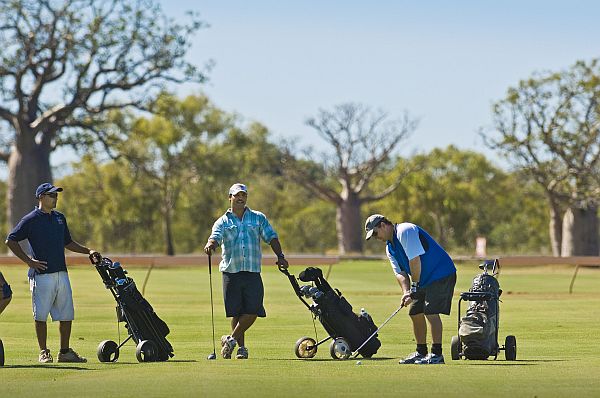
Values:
[(347, 329), (478, 329), (146, 329)]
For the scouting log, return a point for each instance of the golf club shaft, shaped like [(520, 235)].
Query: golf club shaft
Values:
[(212, 310), (355, 353)]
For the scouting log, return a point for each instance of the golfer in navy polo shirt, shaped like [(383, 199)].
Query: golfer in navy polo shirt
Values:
[(48, 235)]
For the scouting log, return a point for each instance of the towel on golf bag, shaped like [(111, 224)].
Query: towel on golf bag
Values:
[(478, 328), (336, 315)]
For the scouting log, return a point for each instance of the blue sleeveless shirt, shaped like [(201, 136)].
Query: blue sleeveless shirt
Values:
[(409, 241)]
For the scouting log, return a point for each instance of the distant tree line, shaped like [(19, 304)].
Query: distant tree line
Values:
[(171, 170), (154, 168)]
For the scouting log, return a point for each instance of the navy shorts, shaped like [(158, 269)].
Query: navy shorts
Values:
[(243, 293), (435, 298)]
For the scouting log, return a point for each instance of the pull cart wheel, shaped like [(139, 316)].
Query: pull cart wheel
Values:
[(306, 347), (510, 348), (340, 349), (146, 351), (108, 351), (455, 348)]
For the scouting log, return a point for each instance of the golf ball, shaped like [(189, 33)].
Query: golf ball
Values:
[(358, 362)]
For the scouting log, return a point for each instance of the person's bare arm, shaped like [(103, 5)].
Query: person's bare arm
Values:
[(78, 248), (404, 282), (415, 269), (276, 247), (18, 251), (210, 247)]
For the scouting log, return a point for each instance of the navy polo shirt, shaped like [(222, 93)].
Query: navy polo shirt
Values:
[(48, 234)]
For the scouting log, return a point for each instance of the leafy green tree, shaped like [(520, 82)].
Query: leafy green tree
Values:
[(549, 126), (458, 195), (169, 148), (65, 63), (173, 173), (112, 207), (362, 143)]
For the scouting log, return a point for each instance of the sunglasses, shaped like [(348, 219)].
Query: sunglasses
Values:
[(375, 228), (52, 194)]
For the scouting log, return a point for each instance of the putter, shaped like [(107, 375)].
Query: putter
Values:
[(355, 353), (212, 310)]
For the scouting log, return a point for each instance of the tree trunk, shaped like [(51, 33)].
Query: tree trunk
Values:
[(441, 237), (349, 225), (555, 228), (28, 167), (168, 232), (580, 232)]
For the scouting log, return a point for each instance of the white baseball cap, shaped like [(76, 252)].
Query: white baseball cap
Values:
[(372, 222), (237, 187)]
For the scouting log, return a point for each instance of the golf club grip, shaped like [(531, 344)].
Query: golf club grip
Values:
[(209, 265)]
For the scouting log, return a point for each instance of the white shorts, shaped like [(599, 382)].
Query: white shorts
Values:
[(51, 294)]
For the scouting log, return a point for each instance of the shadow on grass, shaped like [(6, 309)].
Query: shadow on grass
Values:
[(518, 362), (42, 366), (331, 359), (140, 363)]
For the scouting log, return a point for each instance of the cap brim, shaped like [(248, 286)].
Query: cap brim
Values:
[(54, 189), (233, 193), (369, 234)]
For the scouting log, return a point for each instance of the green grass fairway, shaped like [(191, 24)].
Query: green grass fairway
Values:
[(557, 340)]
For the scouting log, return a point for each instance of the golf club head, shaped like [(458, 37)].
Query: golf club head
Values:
[(305, 290), (212, 356)]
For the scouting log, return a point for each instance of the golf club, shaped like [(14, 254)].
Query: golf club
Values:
[(355, 353), (212, 311)]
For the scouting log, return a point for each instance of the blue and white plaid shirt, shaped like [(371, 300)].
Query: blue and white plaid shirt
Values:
[(240, 240)]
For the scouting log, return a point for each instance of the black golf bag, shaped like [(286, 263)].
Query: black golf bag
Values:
[(143, 325), (347, 329), (478, 329)]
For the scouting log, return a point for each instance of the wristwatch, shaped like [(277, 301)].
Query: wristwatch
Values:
[(413, 287)]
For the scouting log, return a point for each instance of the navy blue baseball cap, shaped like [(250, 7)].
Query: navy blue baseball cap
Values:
[(46, 188)]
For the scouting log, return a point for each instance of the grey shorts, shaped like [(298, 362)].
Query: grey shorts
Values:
[(51, 294), (435, 298), (243, 293)]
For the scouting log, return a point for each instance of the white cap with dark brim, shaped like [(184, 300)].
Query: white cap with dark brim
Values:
[(237, 187), (372, 222)]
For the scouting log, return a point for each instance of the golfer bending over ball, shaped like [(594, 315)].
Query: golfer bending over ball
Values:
[(239, 232), (427, 276)]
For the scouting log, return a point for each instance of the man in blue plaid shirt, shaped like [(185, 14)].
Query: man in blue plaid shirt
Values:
[(239, 232)]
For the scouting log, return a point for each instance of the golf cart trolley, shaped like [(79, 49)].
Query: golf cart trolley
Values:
[(349, 333), (478, 329), (143, 325)]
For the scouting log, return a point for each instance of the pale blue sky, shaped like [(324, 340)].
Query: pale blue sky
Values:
[(445, 62), (278, 62)]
